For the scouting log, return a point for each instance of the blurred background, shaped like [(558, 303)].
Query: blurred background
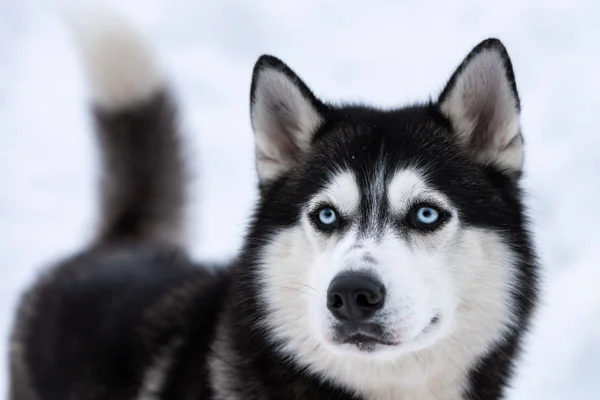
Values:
[(385, 53)]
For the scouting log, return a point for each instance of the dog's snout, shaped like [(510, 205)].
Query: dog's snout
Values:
[(355, 297)]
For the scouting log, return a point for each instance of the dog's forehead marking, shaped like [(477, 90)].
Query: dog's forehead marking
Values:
[(341, 192), (375, 193), (408, 185), (404, 186)]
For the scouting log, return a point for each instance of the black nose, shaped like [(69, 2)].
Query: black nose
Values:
[(355, 297)]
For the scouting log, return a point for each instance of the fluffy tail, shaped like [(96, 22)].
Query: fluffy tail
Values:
[(143, 173)]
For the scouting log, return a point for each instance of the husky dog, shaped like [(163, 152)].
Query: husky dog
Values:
[(388, 256)]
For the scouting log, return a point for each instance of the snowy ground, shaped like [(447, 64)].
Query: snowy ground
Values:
[(388, 52)]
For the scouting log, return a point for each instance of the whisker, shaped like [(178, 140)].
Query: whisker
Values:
[(297, 290), (307, 286)]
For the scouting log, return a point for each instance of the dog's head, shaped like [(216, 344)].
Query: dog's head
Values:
[(384, 233)]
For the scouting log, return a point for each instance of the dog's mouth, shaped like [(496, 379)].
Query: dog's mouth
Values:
[(365, 337), (370, 337), (367, 343)]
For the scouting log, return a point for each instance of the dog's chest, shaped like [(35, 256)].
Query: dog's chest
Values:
[(412, 385), (425, 393)]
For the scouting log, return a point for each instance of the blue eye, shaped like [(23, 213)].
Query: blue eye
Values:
[(326, 219), (427, 215), (327, 216)]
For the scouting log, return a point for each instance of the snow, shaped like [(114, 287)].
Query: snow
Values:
[(383, 52)]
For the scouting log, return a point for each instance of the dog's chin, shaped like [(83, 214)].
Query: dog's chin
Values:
[(366, 343), (376, 341)]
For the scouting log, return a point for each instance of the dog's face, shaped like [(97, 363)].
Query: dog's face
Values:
[(382, 262), (384, 233)]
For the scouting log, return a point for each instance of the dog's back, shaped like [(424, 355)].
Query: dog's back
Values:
[(111, 321)]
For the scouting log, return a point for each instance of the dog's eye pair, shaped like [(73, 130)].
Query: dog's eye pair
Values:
[(426, 217), (423, 217), (325, 218)]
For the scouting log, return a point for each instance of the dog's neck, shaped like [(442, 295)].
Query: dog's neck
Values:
[(239, 372), (236, 374)]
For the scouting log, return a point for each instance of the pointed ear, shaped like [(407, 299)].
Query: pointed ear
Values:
[(285, 116), (482, 104)]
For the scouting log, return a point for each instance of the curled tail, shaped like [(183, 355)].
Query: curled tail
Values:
[(143, 179)]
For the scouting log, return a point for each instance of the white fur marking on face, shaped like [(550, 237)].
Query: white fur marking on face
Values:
[(408, 186), (121, 69), (284, 121), (342, 193), (464, 274), (484, 112), (481, 271)]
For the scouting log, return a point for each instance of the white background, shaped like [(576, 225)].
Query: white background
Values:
[(385, 53)]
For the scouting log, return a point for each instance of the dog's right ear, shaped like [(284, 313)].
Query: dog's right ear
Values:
[(482, 104), (285, 116)]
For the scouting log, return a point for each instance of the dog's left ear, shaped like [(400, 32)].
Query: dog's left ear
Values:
[(482, 104), (285, 116)]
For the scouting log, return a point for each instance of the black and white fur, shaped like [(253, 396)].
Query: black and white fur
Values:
[(132, 317)]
